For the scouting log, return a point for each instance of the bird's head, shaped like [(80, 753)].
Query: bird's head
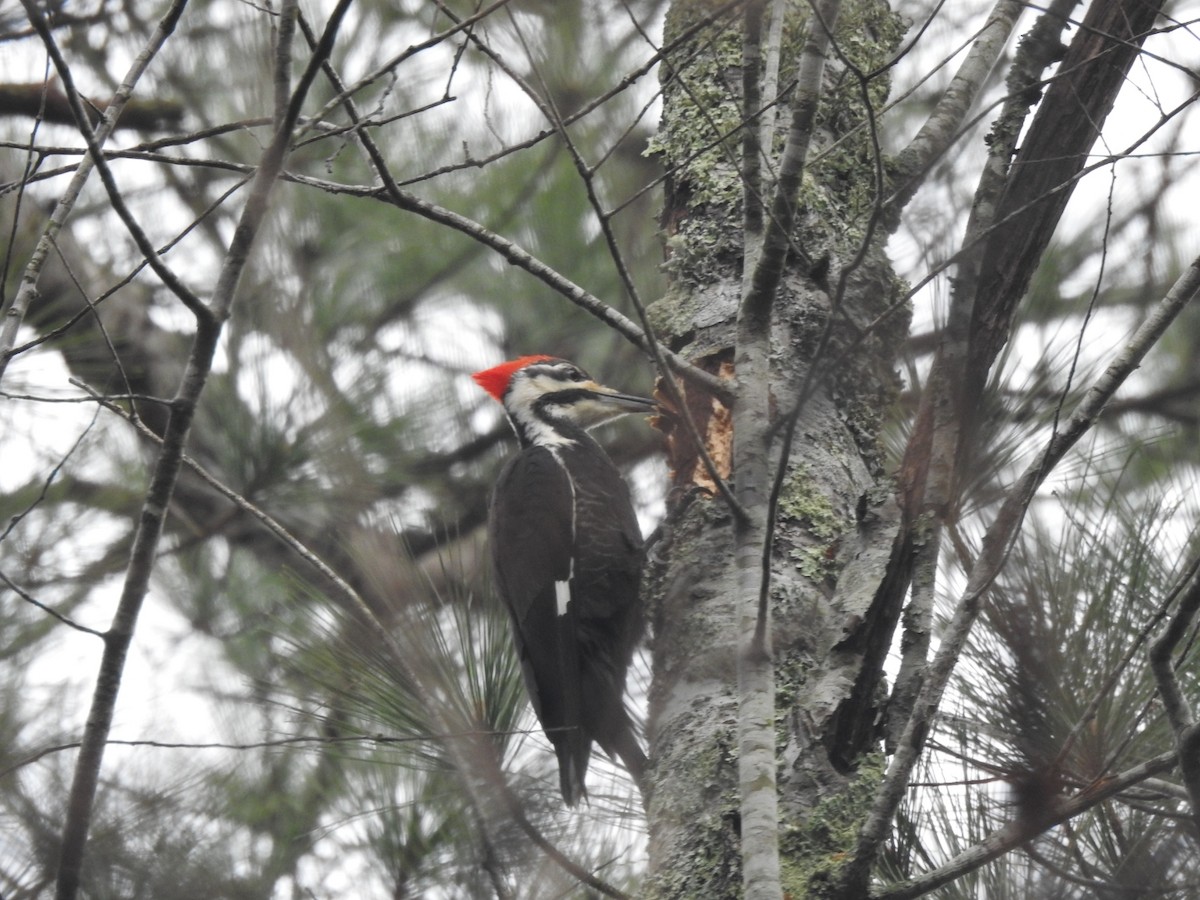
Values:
[(541, 394)]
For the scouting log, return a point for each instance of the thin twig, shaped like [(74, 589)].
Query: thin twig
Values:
[(15, 314), (460, 23), (996, 545), (116, 201), (1017, 833), (94, 305), (33, 160), (1178, 710), (167, 467), (15, 520), (49, 610), (632, 78), (297, 740), (940, 129), (653, 346)]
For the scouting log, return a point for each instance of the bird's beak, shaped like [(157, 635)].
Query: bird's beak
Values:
[(604, 404), (623, 402)]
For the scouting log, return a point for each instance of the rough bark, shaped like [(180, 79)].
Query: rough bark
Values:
[(835, 498)]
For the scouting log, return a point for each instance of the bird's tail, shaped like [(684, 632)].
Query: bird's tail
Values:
[(572, 769), (572, 745), (620, 742)]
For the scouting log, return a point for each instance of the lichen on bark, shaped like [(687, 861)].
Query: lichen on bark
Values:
[(835, 483)]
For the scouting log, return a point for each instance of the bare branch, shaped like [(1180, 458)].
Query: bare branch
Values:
[(942, 127), (298, 740), (166, 473), (460, 24), (928, 473), (768, 268), (523, 259), (1019, 832), (27, 292), (1052, 152), (762, 272), (52, 105), (97, 158), (46, 608), (1179, 711), (752, 146), (997, 542)]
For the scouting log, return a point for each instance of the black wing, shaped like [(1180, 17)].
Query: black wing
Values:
[(531, 529), (608, 562), (532, 544)]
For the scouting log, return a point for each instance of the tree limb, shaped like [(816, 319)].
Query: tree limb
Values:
[(1019, 832), (996, 544), (929, 468), (1178, 710), (762, 273), (1044, 169), (944, 122), (52, 105), (777, 239), (96, 155), (166, 472), (27, 292)]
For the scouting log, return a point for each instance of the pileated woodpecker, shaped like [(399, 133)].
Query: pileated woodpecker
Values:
[(567, 552)]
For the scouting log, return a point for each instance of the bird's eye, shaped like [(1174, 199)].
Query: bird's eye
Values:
[(574, 374)]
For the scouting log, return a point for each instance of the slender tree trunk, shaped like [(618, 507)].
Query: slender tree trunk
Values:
[(834, 513)]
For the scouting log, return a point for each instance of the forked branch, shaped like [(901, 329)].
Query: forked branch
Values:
[(1013, 835), (167, 467), (15, 313), (1179, 711), (997, 542)]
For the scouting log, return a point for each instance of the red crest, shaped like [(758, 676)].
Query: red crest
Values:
[(495, 380)]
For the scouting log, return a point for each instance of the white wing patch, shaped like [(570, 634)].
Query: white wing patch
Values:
[(562, 589), (562, 594)]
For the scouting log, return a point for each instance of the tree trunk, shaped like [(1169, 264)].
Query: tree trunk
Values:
[(834, 514)]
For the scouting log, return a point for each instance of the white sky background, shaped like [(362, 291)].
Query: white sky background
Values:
[(171, 670), (172, 673)]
